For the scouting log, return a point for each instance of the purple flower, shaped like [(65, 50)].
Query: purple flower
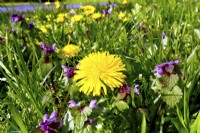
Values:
[(30, 25), (49, 125), (136, 91), (106, 12), (125, 89), (167, 68), (91, 121), (93, 104), (72, 103), (16, 18), (113, 5), (164, 35), (48, 49), (69, 71)]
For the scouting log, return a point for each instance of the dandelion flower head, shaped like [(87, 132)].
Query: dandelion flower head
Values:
[(88, 9), (98, 70), (70, 50)]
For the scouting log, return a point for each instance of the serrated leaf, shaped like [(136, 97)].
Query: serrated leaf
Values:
[(171, 81), (87, 111), (79, 119), (172, 97), (121, 105), (68, 122)]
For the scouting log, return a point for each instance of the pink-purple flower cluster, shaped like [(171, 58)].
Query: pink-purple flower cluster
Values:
[(16, 18), (51, 124), (167, 68), (48, 49)]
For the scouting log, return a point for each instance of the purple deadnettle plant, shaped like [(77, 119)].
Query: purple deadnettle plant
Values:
[(51, 124)]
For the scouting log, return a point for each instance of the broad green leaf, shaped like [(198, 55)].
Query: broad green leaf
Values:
[(172, 97), (68, 122), (171, 80), (87, 111), (79, 119), (121, 105)]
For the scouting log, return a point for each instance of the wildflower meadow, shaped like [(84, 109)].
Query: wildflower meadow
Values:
[(129, 66)]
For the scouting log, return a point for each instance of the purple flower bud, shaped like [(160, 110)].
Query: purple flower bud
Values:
[(93, 104), (91, 121), (136, 91), (164, 35), (30, 25)]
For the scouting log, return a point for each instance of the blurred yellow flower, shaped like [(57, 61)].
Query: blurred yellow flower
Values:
[(47, 3), (43, 29), (98, 70), (96, 15), (121, 15), (76, 18), (57, 4), (48, 26), (60, 17), (88, 9), (27, 19), (124, 1), (48, 17), (70, 50)]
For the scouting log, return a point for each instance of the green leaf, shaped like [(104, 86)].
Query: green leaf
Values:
[(171, 80), (87, 111), (68, 122), (177, 124), (121, 105), (172, 97), (195, 126), (17, 117), (144, 124), (79, 118)]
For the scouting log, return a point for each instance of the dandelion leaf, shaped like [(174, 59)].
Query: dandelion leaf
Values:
[(172, 97)]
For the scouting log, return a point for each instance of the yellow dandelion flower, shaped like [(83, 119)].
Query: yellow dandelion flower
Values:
[(88, 9), (43, 29), (70, 50), (121, 15), (47, 3), (124, 1), (96, 15), (60, 18), (98, 70), (48, 26), (57, 4), (76, 18), (48, 17)]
